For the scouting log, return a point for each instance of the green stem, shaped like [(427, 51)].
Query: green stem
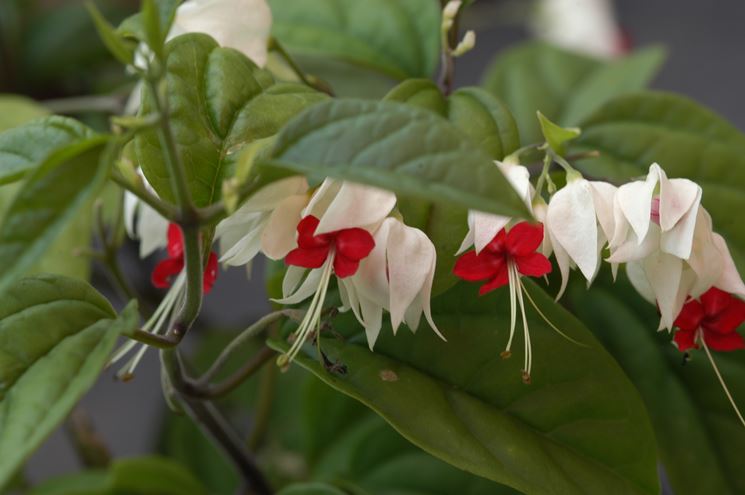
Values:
[(194, 272), (263, 410), (237, 342), (165, 210), (547, 161), (84, 104), (307, 79), (198, 390), (214, 425)]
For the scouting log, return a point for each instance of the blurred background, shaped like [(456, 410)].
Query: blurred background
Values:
[(50, 52)]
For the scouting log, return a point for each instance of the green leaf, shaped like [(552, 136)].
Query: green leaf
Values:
[(700, 439), (311, 489), (400, 39), (154, 33), (686, 139), (490, 126), (220, 102), (24, 148), (410, 151), (51, 196), (557, 136), (563, 85), (580, 425), (16, 110), (136, 476), (56, 334), (134, 26), (117, 45)]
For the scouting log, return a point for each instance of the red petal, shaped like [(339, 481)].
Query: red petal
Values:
[(471, 266), (354, 244), (498, 281), (724, 343), (345, 267), (684, 340), (533, 265), (727, 320), (715, 301), (175, 241), (498, 244), (308, 258), (690, 316), (164, 272), (210, 274), (524, 238), (305, 230)]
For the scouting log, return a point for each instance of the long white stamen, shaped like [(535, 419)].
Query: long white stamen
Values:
[(312, 316), (526, 331), (721, 380), (513, 309), (548, 322)]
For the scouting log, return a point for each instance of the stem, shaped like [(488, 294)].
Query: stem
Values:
[(84, 104), (237, 342), (90, 447), (214, 425), (544, 177), (165, 210), (197, 390), (307, 79)]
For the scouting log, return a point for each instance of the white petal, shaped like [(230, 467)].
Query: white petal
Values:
[(306, 289), (485, 227), (730, 280), (706, 258), (234, 229), (664, 273), (410, 255), (372, 314), (603, 195), (293, 277), (638, 279), (152, 230), (131, 205), (562, 259), (270, 196), (371, 279), (572, 222), (356, 205), (245, 250), (467, 241), (279, 236), (635, 200), (240, 24), (678, 240), (677, 197), (424, 301), (322, 198), (519, 177), (633, 251)]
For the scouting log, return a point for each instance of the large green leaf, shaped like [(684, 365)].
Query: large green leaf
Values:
[(410, 151), (50, 197), (579, 427), (686, 139), (136, 476), (700, 439), (490, 126), (17, 110), (24, 148), (220, 102), (563, 85), (56, 334), (399, 38)]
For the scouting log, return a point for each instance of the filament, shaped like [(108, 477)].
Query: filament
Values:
[(721, 380)]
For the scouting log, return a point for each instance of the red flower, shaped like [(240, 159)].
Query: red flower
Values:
[(517, 246), (165, 271), (350, 247), (717, 316)]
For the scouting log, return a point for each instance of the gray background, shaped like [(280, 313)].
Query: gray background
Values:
[(705, 38)]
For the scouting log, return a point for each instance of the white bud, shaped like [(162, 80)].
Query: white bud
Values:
[(466, 45), (451, 10)]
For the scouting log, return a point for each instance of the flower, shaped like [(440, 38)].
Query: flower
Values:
[(585, 26), (142, 222), (241, 24), (714, 318), (167, 269), (333, 237), (579, 221), (397, 276), (482, 227), (264, 223), (508, 256), (347, 247)]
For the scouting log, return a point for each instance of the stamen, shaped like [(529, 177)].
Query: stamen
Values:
[(526, 332), (513, 310), (548, 322), (721, 380), (312, 316)]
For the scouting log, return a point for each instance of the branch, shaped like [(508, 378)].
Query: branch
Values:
[(307, 79), (166, 210)]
